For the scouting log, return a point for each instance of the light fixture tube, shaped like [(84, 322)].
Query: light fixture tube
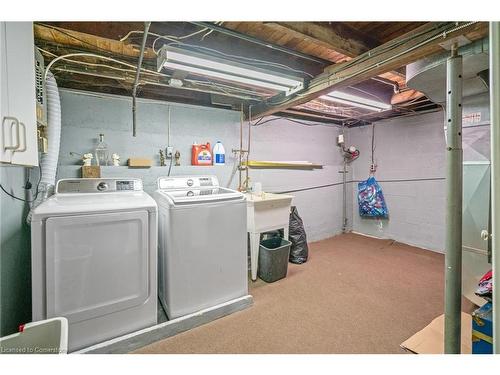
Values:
[(356, 101), (174, 58), (225, 76)]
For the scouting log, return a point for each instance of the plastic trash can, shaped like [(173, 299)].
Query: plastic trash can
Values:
[(273, 259)]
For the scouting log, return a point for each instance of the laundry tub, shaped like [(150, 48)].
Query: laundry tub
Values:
[(48, 336)]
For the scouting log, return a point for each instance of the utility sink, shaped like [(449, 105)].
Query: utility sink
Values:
[(265, 212)]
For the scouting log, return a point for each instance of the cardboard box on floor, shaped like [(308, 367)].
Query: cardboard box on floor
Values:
[(430, 340)]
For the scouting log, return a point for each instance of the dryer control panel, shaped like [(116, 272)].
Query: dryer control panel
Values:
[(187, 182), (98, 185)]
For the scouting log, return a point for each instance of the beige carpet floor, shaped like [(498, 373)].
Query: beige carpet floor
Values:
[(354, 295)]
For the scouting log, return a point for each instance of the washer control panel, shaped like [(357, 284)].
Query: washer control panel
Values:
[(102, 186), (98, 185), (187, 182), (125, 185)]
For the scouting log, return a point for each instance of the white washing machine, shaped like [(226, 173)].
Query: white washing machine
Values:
[(94, 258), (202, 244)]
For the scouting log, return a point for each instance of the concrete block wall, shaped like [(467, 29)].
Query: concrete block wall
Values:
[(409, 149), (85, 115), (410, 155), (410, 159)]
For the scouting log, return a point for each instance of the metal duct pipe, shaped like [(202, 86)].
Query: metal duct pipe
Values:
[(394, 84), (495, 174), (454, 160), (137, 74)]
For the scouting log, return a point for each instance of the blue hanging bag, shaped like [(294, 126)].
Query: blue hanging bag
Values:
[(371, 199)]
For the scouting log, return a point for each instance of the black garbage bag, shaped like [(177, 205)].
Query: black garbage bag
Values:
[(297, 236)]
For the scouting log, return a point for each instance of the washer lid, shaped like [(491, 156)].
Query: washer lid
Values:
[(196, 196)]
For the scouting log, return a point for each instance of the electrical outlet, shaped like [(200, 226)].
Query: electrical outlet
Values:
[(170, 151), (340, 140)]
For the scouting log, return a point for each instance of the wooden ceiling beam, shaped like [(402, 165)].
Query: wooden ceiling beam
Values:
[(418, 43), (337, 36), (96, 44)]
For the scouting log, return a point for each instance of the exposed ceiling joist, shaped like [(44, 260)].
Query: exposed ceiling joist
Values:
[(418, 43), (337, 36), (86, 41)]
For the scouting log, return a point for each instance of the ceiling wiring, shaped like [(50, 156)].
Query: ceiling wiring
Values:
[(177, 40), (238, 57), (85, 54), (260, 122), (421, 38), (64, 32), (330, 78), (250, 60), (437, 33), (100, 65), (367, 93), (207, 34), (174, 37), (221, 88)]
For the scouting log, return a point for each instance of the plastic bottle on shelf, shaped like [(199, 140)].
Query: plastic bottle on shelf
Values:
[(219, 154)]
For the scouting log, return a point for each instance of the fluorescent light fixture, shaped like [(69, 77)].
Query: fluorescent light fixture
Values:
[(356, 101), (177, 59)]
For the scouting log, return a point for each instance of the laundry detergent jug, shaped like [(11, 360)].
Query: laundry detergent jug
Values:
[(201, 154)]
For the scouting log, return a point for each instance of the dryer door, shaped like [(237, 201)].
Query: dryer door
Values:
[(96, 264)]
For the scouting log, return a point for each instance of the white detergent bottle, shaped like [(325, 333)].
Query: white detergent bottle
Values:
[(219, 154)]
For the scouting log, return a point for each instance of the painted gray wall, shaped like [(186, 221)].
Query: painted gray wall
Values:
[(413, 148), (15, 253), (406, 148), (85, 115)]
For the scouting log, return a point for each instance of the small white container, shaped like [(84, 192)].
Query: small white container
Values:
[(257, 188), (219, 154)]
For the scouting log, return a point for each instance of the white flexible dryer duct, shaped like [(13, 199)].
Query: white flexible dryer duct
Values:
[(48, 161)]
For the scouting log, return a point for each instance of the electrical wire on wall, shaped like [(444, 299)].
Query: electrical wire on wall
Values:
[(373, 166), (170, 166), (27, 186)]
